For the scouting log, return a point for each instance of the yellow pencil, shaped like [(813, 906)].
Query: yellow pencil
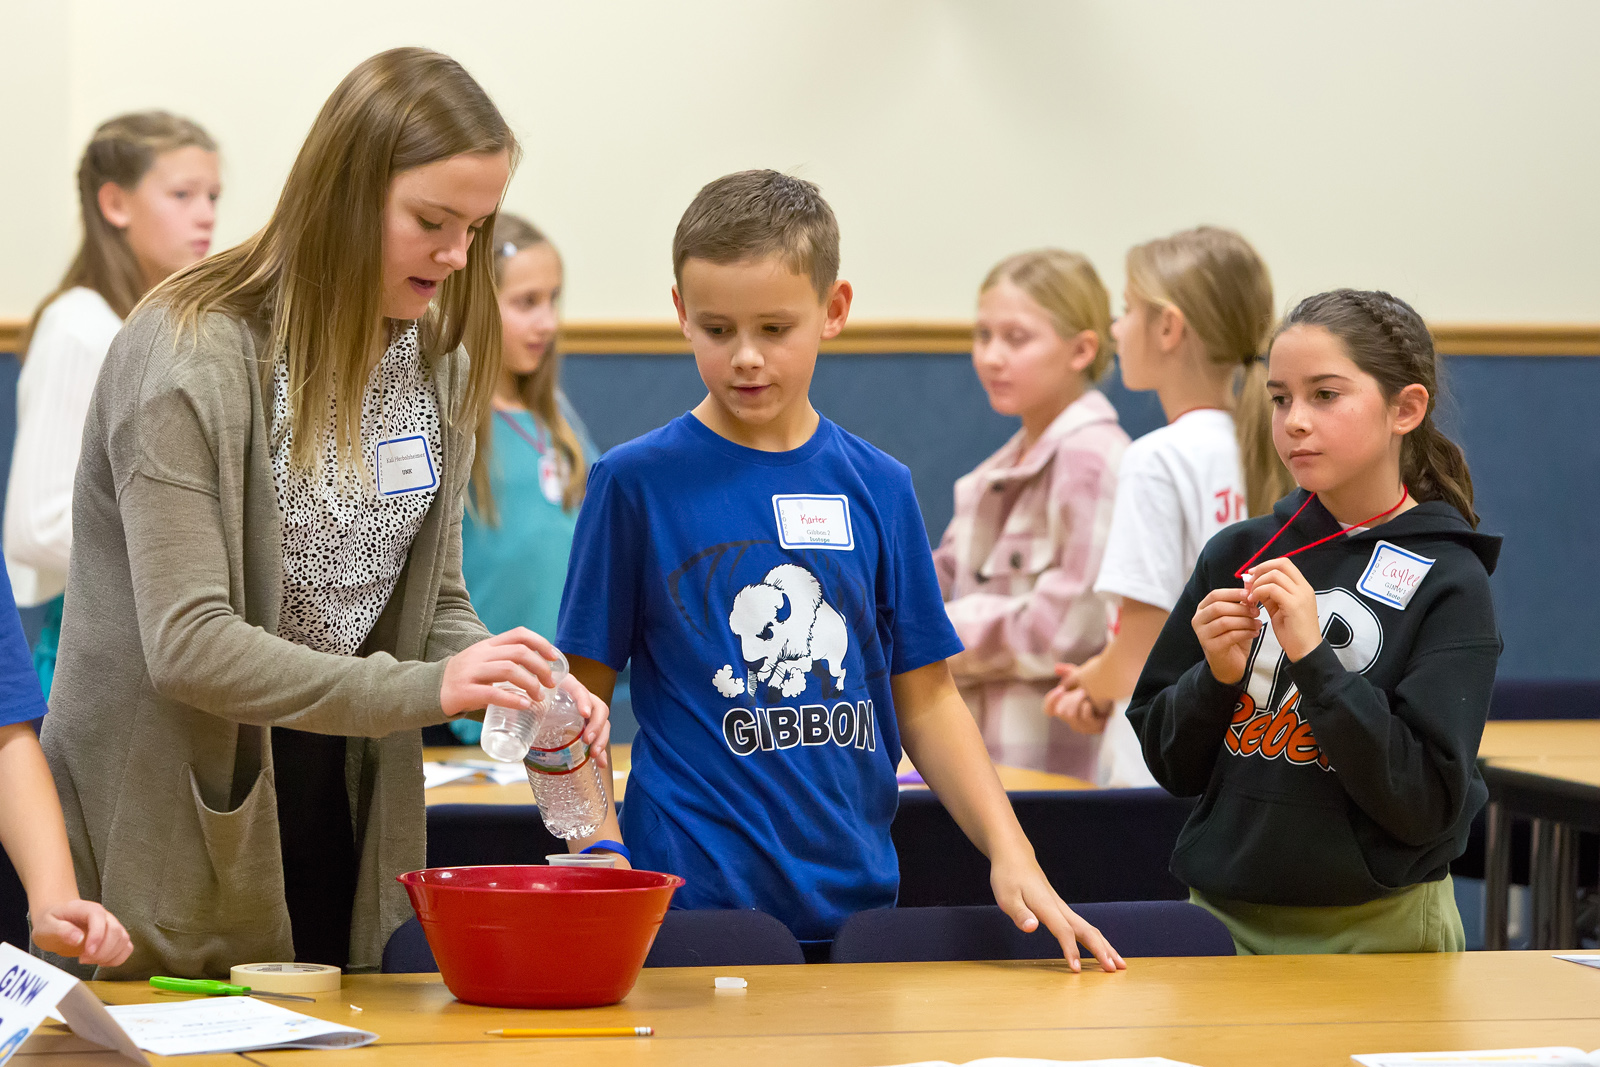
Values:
[(578, 1031)]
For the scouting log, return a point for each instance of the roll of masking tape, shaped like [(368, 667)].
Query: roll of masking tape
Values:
[(288, 977)]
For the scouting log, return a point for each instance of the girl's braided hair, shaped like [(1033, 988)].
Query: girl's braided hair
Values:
[(1388, 340)]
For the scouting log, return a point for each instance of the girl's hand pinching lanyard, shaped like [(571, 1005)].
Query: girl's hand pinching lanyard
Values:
[(1405, 494)]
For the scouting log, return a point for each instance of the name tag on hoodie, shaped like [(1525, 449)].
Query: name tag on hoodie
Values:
[(1393, 574)]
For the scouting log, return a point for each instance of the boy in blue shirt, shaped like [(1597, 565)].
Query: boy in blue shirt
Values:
[(32, 830), (769, 576)]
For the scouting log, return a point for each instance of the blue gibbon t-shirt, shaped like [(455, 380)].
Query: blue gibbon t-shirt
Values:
[(20, 697), (765, 600)]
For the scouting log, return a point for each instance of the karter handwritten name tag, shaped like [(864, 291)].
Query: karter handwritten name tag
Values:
[(814, 521)]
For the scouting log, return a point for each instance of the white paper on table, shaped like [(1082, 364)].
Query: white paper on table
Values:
[(1501, 1057), (506, 773), (1578, 957), (1013, 1061), (460, 770), (230, 1024), (30, 988), (443, 774)]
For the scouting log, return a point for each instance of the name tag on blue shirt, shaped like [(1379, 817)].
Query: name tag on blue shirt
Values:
[(814, 522), (1393, 574), (405, 465)]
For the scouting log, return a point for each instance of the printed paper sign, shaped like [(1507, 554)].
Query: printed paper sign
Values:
[(30, 988), (1393, 574), (230, 1024), (814, 522), (1586, 959), (405, 465), (1549, 1056)]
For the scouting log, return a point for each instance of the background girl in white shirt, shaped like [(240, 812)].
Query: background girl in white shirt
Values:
[(147, 191), (1198, 312)]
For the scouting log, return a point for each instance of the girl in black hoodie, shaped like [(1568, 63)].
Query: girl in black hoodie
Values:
[(1323, 684)]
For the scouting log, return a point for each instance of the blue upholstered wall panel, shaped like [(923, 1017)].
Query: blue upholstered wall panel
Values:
[(1525, 422), (1528, 427), (928, 411)]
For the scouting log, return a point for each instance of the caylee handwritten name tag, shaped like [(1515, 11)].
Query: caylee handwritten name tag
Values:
[(1393, 574)]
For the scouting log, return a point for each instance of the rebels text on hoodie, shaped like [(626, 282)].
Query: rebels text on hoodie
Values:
[(1352, 773)]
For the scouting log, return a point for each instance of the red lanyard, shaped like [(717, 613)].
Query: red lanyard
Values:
[(533, 442), (1405, 495)]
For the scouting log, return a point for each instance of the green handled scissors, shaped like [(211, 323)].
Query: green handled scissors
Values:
[(211, 988)]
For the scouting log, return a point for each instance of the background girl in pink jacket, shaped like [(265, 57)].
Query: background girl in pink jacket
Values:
[(1018, 562)]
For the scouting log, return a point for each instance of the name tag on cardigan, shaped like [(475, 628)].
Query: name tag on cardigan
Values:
[(405, 465)]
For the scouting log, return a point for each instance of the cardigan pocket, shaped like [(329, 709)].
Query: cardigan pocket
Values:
[(223, 872)]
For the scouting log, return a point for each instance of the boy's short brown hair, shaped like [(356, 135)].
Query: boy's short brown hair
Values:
[(757, 213)]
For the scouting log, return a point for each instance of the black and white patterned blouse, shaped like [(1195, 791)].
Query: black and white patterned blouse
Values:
[(344, 545)]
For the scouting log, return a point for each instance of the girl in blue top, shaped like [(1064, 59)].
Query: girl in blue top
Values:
[(533, 453)]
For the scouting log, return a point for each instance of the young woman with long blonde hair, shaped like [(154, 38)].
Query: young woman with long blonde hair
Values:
[(147, 194), (266, 602)]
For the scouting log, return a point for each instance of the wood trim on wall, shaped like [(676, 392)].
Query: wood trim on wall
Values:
[(872, 337), (1455, 338)]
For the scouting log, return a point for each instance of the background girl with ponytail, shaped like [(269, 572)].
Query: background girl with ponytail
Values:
[(147, 194), (1197, 311), (265, 601), (533, 454), (1323, 682)]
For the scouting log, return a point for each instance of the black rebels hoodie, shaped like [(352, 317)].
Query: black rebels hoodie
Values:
[(1352, 773)]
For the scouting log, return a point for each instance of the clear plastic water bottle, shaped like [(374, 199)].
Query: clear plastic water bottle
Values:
[(508, 732), (562, 771)]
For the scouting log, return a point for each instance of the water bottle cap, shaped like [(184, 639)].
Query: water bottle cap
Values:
[(559, 666)]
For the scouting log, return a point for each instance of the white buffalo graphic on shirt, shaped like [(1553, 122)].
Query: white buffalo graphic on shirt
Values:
[(784, 627)]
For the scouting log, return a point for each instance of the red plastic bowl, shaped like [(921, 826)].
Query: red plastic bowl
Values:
[(536, 936)]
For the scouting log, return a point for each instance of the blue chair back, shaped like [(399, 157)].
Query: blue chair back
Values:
[(471, 835), (928, 935), (1093, 844), (407, 950), (734, 938), (13, 906), (1522, 698)]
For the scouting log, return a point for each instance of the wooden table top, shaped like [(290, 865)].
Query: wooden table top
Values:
[(481, 792), (1239, 1012), (1583, 771), (1565, 738), (1015, 779)]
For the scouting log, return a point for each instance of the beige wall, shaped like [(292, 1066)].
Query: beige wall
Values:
[(1447, 150)]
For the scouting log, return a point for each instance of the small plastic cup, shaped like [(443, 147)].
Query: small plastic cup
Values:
[(582, 859), (508, 732)]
